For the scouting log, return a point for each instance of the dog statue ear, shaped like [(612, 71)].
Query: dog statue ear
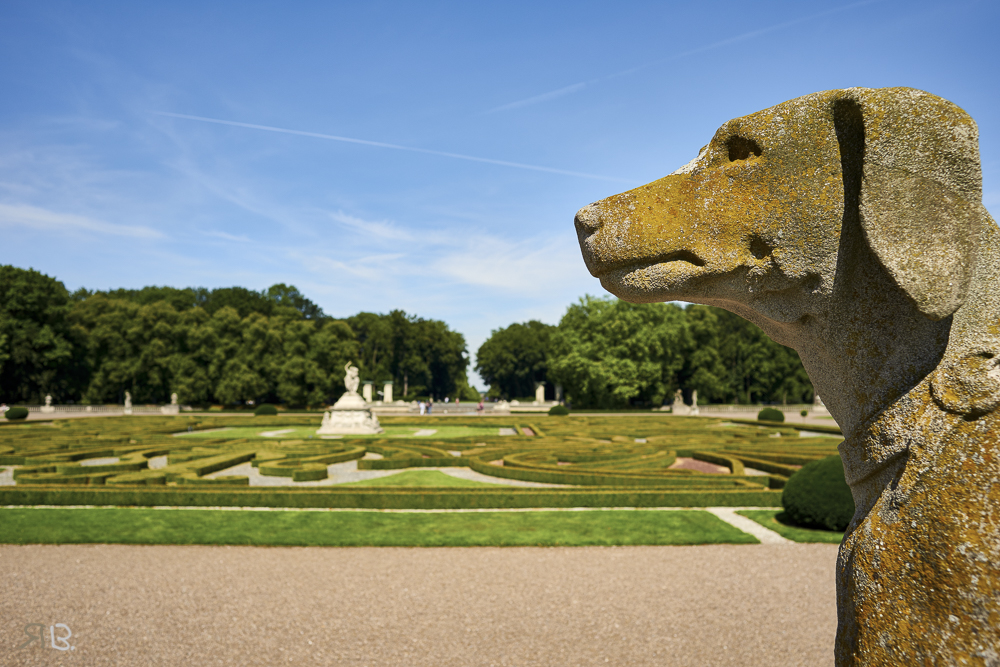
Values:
[(912, 161)]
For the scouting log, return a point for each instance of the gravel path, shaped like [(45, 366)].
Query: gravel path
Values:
[(189, 605), (338, 473)]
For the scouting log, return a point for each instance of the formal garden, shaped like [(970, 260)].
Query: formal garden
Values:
[(434, 480)]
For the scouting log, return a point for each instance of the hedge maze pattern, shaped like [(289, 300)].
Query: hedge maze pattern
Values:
[(601, 460)]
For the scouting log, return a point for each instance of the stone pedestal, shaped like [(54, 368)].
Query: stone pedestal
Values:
[(818, 408), (48, 407), (366, 391), (540, 393), (387, 393), (349, 416)]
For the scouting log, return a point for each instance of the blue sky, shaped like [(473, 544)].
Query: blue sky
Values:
[(107, 179)]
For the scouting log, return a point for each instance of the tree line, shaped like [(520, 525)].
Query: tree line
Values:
[(223, 346), (233, 345), (607, 353)]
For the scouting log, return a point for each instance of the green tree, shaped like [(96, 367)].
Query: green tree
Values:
[(289, 295), (129, 347), (760, 370), (514, 359), (610, 353), (733, 360), (420, 356), (39, 352)]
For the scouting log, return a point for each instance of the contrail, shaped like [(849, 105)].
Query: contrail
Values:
[(381, 144), (576, 87)]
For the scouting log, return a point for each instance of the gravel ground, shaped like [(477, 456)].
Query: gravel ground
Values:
[(190, 605)]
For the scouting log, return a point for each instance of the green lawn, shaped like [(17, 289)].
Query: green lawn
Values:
[(398, 529), (287, 432), (419, 478), (776, 521)]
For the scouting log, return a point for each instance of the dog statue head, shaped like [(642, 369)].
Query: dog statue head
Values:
[(804, 217), (848, 225)]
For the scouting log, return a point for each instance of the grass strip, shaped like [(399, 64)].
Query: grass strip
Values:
[(779, 523), (350, 529)]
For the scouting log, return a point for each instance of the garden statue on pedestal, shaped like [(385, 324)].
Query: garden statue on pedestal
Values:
[(173, 408), (349, 416), (48, 405), (128, 403), (678, 407)]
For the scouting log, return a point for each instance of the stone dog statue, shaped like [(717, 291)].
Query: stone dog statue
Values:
[(848, 225)]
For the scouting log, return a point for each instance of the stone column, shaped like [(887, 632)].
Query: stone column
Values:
[(366, 391), (387, 393)]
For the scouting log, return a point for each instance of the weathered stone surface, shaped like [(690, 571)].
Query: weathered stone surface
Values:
[(848, 225)]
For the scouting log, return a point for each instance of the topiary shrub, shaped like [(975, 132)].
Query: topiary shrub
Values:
[(818, 497), (265, 409), (16, 413), (771, 415), (558, 411), (804, 413)]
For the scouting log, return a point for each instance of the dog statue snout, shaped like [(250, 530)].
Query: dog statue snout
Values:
[(587, 220)]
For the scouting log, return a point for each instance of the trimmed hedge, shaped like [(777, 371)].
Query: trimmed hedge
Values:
[(817, 496), (310, 473), (550, 476), (558, 411), (16, 413), (386, 497), (771, 415), (735, 465), (265, 409)]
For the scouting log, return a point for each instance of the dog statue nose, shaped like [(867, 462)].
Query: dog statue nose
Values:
[(588, 219)]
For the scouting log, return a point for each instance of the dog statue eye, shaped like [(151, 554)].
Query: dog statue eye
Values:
[(740, 148)]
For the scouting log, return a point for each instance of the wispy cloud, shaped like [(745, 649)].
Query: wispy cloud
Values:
[(525, 268), (33, 217), (372, 269), (544, 97), (381, 229), (577, 87), (380, 144), (227, 237)]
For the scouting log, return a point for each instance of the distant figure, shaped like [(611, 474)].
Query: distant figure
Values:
[(457, 400), (430, 405), (352, 379), (480, 408), (422, 406), (446, 399)]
